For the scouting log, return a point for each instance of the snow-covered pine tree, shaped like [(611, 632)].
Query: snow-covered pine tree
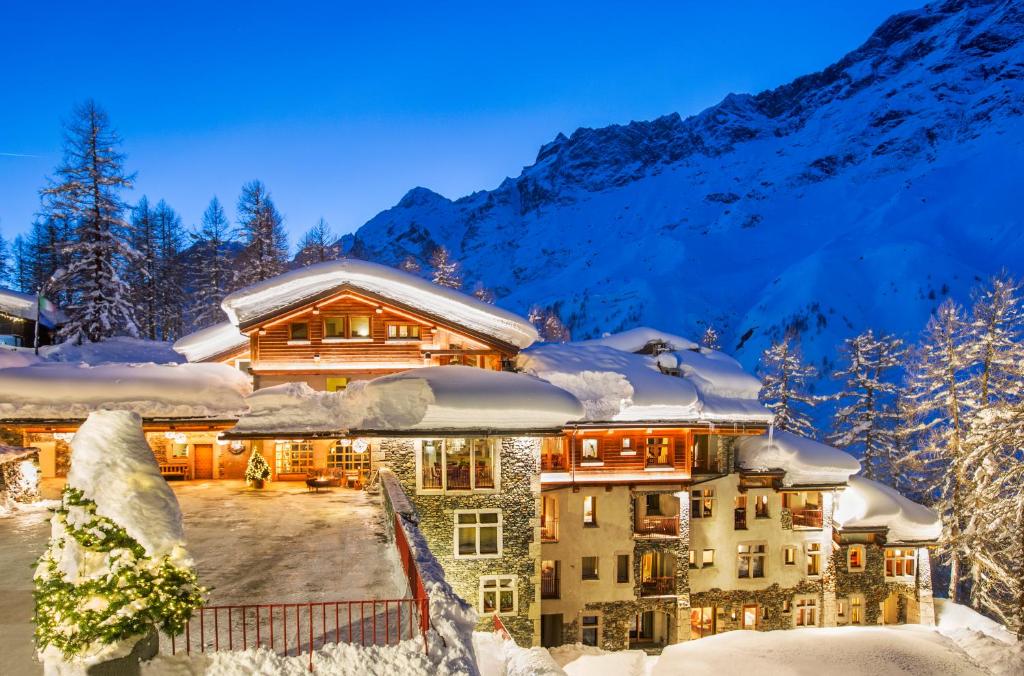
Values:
[(447, 270), (46, 254), (211, 271), (21, 265), (549, 325), (410, 265), (319, 244), (265, 244), (6, 262), (483, 293), (116, 567), (711, 339), (257, 470), (170, 241), (87, 189), (784, 377), (864, 423), (143, 276), (938, 403)]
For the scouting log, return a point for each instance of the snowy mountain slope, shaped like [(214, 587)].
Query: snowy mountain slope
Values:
[(857, 196)]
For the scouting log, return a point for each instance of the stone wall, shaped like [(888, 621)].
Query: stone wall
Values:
[(519, 501), (617, 618), (770, 601)]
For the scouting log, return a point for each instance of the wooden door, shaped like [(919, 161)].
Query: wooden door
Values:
[(204, 461)]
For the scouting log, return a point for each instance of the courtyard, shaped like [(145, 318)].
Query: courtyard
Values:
[(281, 544)]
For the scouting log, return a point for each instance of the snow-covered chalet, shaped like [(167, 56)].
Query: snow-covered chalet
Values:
[(625, 492)]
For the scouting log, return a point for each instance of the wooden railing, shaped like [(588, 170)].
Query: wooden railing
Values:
[(806, 518), (657, 525), (658, 586), (550, 586), (549, 530)]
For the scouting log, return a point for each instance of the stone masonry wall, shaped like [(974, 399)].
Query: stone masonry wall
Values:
[(519, 502)]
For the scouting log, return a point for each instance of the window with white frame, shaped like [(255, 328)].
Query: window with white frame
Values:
[(900, 562), (477, 533), (789, 555), (752, 558), (590, 629), (855, 559), (806, 612), (813, 558), (591, 451), (458, 464), (499, 595)]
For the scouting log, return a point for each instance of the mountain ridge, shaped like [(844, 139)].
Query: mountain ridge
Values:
[(855, 196)]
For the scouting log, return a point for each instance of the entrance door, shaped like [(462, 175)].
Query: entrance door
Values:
[(204, 461), (551, 630), (750, 617)]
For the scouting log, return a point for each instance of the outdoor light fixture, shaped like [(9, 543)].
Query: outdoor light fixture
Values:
[(360, 445), (379, 310)]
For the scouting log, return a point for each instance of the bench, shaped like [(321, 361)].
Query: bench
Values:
[(175, 470)]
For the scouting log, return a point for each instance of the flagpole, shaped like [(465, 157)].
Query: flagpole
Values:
[(39, 301)]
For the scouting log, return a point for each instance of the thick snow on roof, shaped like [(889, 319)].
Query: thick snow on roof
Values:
[(117, 350), (805, 461), (618, 385), (112, 464), (293, 287), (55, 390), (436, 398), (636, 339), (869, 504), (23, 305), (210, 341)]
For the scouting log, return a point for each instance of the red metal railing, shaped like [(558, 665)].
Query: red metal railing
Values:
[(657, 525), (293, 629), (500, 627)]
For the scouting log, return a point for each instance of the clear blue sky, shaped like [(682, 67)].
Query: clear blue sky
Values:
[(340, 110)]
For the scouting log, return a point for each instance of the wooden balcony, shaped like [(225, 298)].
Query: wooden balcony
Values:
[(806, 518), (657, 525), (658, 586)]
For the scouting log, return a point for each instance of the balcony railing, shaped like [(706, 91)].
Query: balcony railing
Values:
[(550, 586), (739, 518), (657, 525), (553, 463), (549, 530), (658, 586), (806, 518)]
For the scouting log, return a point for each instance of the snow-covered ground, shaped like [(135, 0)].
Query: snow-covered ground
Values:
[(281, 544)]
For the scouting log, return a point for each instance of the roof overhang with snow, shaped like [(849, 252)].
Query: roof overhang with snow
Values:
[(285, 293)]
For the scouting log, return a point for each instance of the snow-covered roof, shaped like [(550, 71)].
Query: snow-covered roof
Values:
[(636, 339), (805, 461), (23, 305), (436, 398), (211, 341), (57, 390), (112, 464), (13, 453), (116, 350), (615, 384), (296, 286), (869, 504)]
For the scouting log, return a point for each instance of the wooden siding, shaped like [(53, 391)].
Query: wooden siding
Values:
[(610, 447)]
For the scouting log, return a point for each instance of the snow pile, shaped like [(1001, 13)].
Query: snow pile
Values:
[(210, 341), (25, 305), (116, 567), (49, 390), (805, 461), (615, 384), (582, 660), (869, 504), (19, 478), (394, 285), (13, 357), (117, 350), (636, 339), (434, 398), (986, 641)]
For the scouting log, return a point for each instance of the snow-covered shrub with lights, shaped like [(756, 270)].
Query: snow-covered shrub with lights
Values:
[(19, 477), (116, 567), (257, 471)]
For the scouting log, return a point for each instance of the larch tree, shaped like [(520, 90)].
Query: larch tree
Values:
[(410, 265), (864, 423), (710, 339), (264, 251), (212, 267), (549, 325), (318, 245), (784, 386), (46, 252), (87, 187), (144, 277), (938, 401), (446, 270), (170, 270), (21, 265)]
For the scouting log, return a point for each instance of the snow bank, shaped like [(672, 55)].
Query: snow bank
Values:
[(13, 357), (617, 385), (296, 286), (805, 461), (23, 305), (910, 650), (112, 465), (869, 504), (48, 390), (435, 398), (210, 341), (986, 641), (636, 339), (118, 350)]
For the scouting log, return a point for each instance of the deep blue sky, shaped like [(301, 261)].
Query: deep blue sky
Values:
[(341, 110)]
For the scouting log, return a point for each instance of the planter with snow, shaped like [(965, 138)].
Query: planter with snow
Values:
[(116, 569)]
